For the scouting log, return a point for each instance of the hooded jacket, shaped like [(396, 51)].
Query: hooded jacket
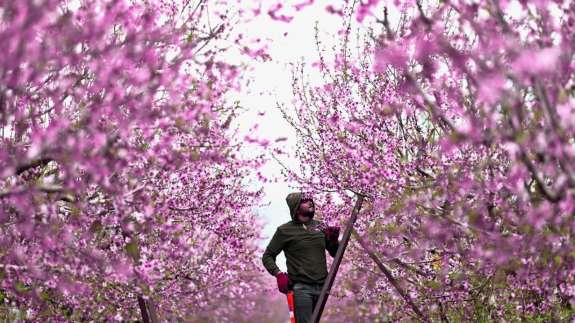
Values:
[(303, 245)]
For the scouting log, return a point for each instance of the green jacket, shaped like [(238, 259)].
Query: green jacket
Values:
[(303, 246)]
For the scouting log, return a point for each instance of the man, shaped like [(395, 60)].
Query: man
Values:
[(303, 241)]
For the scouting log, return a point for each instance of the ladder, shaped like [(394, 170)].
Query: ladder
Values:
[(316, 316)]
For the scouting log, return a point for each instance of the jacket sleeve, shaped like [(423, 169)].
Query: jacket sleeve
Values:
[(332, 248), (275, 246)]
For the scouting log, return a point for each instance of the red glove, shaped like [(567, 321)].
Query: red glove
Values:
[(283, 282), (331, 235)]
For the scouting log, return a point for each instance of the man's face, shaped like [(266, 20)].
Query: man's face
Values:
[(305, 209)]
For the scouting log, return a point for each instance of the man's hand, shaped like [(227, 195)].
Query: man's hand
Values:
[(283, 282), (331, 235)]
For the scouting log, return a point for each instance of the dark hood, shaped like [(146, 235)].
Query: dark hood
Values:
[(293, 201)]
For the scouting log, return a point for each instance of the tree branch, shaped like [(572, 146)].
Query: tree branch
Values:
[(390, 277)]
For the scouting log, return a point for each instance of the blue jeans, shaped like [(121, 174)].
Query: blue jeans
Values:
[(305, 298)]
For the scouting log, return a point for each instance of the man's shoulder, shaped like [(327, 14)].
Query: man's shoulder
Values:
[(317, 223), (291, 224), (287, 225)]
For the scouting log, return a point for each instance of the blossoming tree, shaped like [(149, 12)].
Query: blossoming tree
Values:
[(457, 120), (122, 195)]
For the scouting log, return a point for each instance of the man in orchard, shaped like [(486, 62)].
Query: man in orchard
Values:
[(303, 241)]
